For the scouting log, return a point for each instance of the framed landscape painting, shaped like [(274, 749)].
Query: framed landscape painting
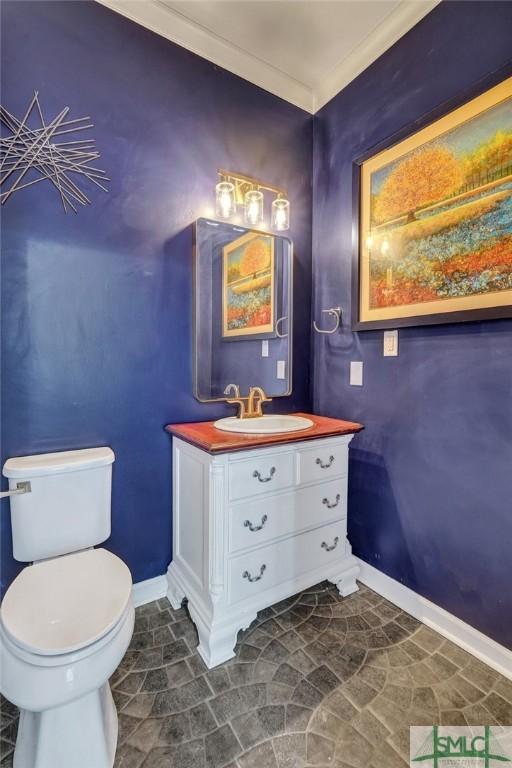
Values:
[(248, 295), (435, 221)]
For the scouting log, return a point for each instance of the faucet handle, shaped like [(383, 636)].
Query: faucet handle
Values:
[(232, 388), (242, 403), (255, 410), (263, 397)]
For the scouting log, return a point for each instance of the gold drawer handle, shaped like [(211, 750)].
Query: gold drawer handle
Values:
[(330, 505), (328, 548), (247, 575), (327, 463), (251, 527), (264, 479)]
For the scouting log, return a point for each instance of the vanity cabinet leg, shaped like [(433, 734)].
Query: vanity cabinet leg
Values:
[(345, 579), (217, 644), (216, 647), (175, 593), (347, 584)]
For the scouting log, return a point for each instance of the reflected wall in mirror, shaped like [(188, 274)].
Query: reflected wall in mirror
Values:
[(242, 309)]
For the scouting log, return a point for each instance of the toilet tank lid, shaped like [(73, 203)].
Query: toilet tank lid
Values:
[(56, 463)]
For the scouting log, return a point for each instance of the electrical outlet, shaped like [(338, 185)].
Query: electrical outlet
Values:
[(264, 348), (281, 369), (390, 343)]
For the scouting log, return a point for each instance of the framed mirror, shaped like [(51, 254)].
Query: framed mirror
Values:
[(243, 325)]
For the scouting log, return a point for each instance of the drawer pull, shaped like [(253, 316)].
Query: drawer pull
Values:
[(331, 505), (251, 527), (327, 463), (328, 548), (264, 479), (247, 575)]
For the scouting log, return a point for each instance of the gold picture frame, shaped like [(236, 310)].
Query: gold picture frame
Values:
[(248, 287), (435, 220)]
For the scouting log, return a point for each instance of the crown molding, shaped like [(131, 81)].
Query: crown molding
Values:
[(168, 23), (394, 26)]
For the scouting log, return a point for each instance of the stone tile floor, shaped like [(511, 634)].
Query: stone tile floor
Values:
[(318, 680)]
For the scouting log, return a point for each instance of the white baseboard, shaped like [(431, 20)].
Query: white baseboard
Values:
[(151, 589), (467, 637)]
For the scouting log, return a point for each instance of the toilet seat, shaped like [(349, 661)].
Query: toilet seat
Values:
[(65, 604)]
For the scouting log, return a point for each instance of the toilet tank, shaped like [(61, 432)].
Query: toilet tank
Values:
[(68, 507)]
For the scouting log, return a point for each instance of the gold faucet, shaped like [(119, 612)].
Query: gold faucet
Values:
[(255, 410), (247, 407)]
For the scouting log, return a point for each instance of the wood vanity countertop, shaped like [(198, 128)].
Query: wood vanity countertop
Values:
[(207, 437)]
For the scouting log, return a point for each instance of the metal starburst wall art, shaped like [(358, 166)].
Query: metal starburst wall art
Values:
[(30, 154)]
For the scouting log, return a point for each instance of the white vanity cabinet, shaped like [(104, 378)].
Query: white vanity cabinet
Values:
[(253, 527)]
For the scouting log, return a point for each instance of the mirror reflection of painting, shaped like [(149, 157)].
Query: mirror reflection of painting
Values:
[(248, 286), (243, 324)]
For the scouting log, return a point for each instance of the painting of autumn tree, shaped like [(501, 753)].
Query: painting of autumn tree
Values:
[(248, 287), (424, 177), (437, 215), (255, 258)]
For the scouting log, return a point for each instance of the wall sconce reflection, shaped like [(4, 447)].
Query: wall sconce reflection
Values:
[(384, 248)]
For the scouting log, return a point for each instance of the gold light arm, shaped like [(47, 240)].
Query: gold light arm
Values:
[(244, 184)]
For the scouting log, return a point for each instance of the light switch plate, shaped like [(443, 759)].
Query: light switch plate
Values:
[(264, 348), (356, 373), (390, 343), (281, 369)]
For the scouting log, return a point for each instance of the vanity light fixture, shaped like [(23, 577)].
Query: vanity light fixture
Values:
[(253, 207), (225, 205), (280, 214), (235, 191)]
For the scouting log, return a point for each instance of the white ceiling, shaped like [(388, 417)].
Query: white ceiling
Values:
[(302, 39), (302, 50)]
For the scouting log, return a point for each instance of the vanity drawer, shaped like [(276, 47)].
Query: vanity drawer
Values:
[(322, 463), (254, 572), (264, 473), (256, 521)]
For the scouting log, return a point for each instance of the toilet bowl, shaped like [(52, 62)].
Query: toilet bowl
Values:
[(65, 625), (67, 620)]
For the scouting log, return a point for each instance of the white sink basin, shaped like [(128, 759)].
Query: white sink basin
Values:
[(264, 425)]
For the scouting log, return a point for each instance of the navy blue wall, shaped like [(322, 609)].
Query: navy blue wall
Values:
[(97, 307), (431, 481)]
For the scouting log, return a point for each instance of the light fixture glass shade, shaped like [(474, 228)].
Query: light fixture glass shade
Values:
[(253, 207), (225, 199), (281, 214)]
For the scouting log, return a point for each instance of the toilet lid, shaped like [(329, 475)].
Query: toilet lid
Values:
[(63, 604)]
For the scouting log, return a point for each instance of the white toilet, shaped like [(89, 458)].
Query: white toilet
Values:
[(67, 620)]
